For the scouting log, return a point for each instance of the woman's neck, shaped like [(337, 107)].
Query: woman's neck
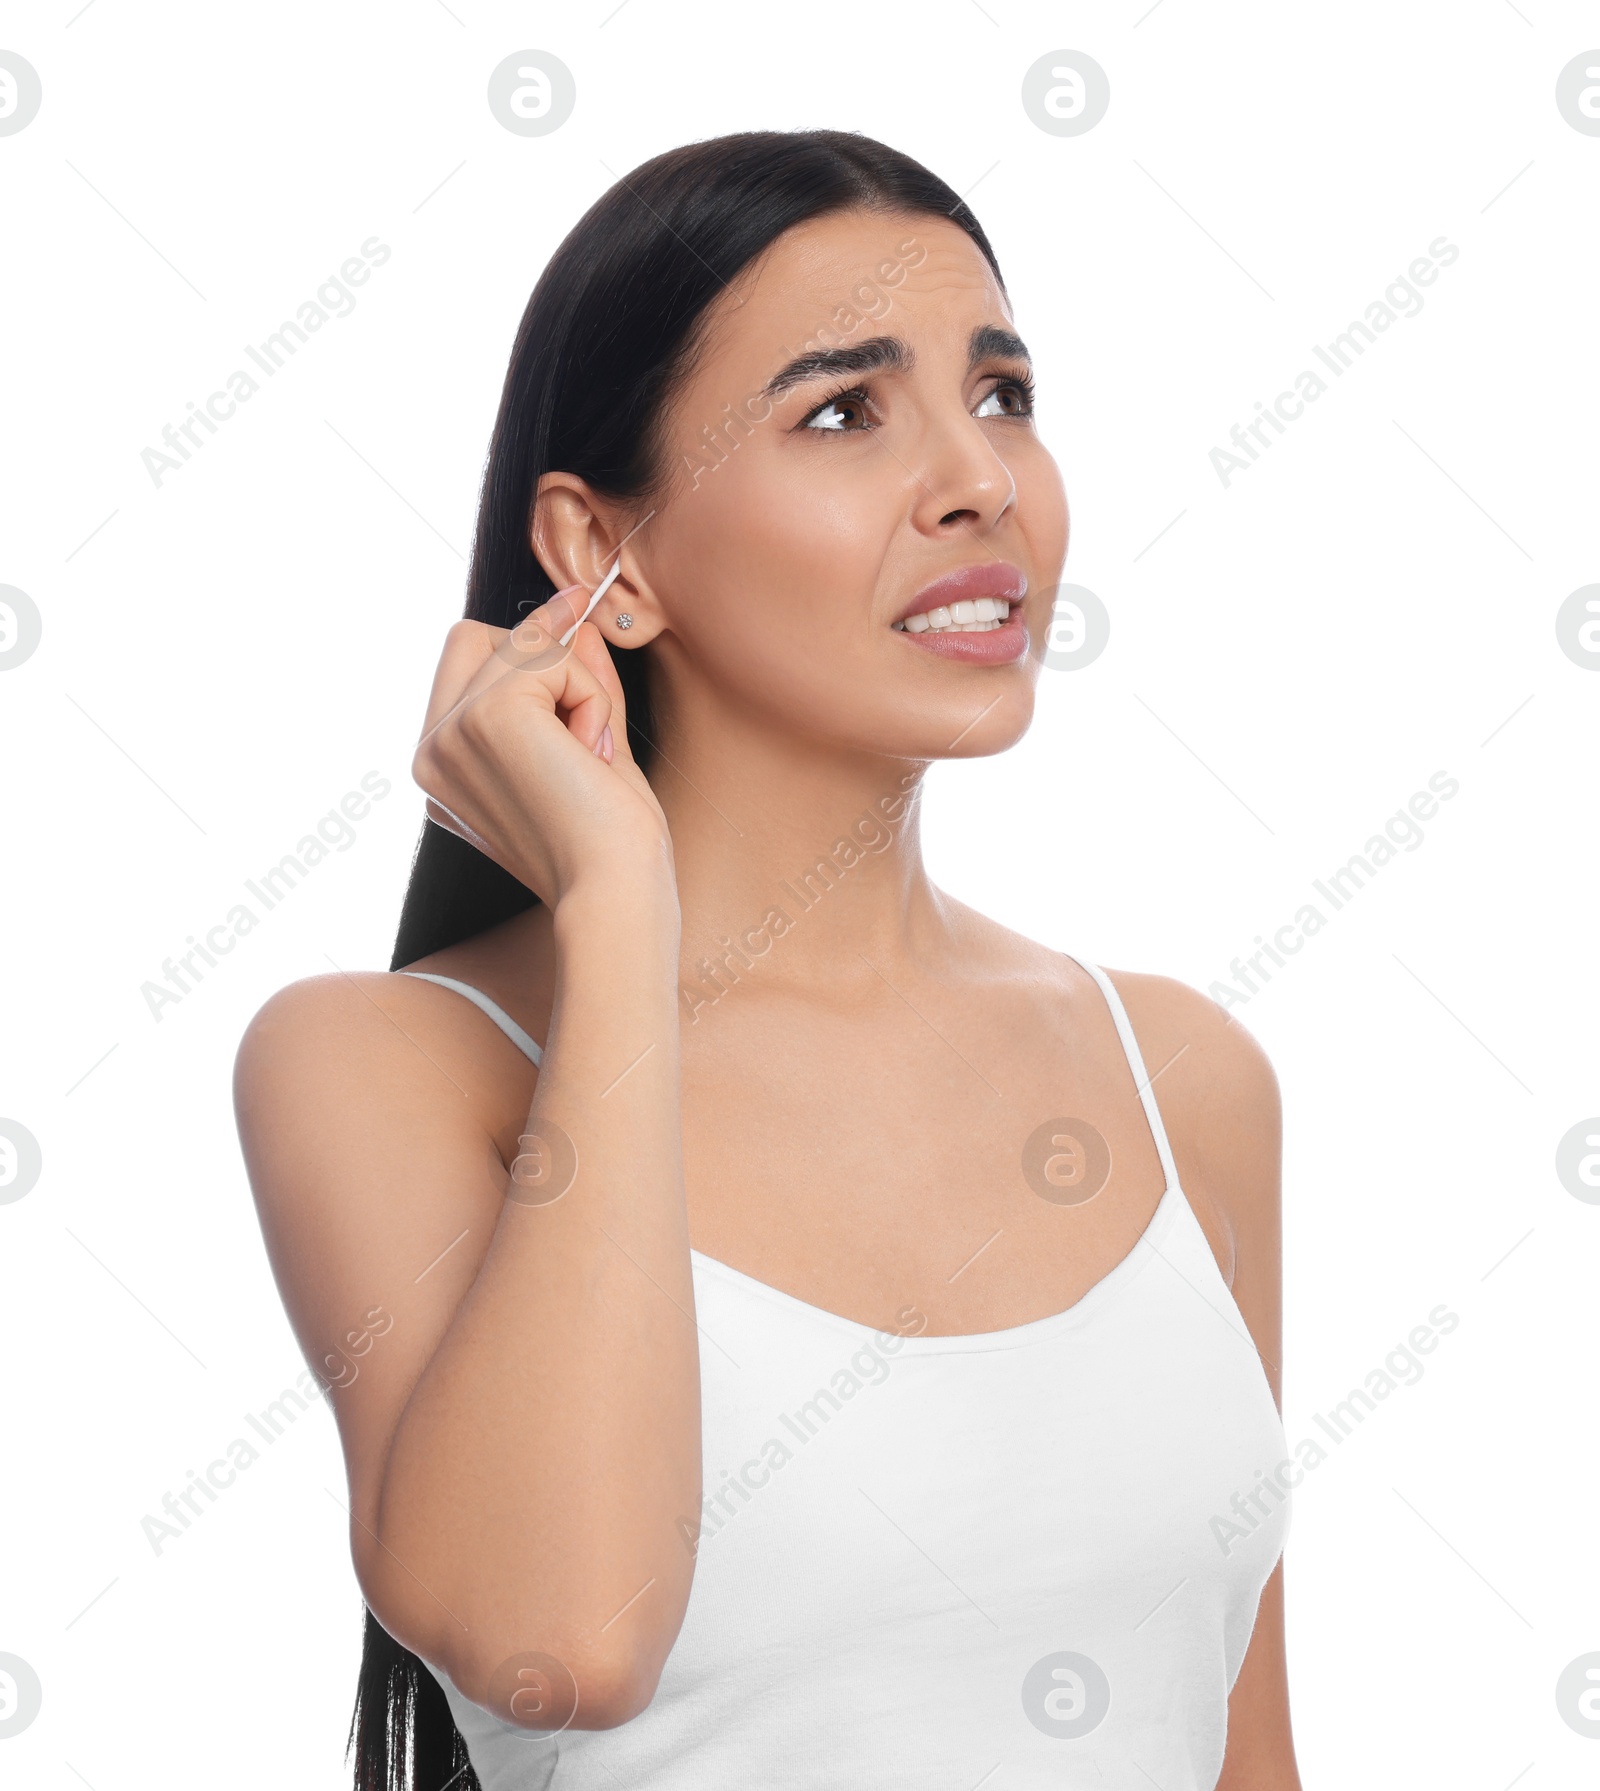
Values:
[(794, 865)]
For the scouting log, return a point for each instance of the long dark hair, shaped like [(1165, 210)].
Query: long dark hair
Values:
[(608, 335)]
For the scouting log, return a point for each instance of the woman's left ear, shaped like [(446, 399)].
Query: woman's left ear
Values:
[(576, 533)]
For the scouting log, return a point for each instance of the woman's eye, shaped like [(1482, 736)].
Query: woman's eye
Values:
[(845, 413), (1011, 398)]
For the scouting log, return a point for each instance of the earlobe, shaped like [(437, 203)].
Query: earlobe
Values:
[(626, 615)]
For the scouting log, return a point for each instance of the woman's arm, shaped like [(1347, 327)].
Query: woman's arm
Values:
[(524, 1439), (1220, 1102)]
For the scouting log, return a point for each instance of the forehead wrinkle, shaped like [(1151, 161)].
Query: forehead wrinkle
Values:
[(947, 268)]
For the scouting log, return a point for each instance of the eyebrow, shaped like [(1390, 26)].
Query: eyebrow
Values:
[(889, 354), (876, 354), (990, 342)]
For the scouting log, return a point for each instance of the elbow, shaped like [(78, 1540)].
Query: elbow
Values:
[(553, 1688), (548, 1676)]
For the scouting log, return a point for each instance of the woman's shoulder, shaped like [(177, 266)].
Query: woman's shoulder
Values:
[(321, 1019), (337, 1022), (1214, 1086), (1175, 1023), (352, 1049), (332, 1055), (1218, 1097)]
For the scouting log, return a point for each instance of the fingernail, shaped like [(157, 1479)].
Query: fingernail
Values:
[(607, 745)]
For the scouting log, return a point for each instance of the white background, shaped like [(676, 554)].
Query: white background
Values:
[(225, 655)]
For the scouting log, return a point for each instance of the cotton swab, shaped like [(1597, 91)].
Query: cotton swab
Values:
[(599, 592), (605, 583)]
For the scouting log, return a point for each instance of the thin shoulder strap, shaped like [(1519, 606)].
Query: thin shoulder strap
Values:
[(479, 1000), (1130, 1045)]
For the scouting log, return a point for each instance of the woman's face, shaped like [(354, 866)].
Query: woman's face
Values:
[(855, 447)]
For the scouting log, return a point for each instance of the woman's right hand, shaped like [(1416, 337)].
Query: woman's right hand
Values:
[(525, 754), (495, 1501)]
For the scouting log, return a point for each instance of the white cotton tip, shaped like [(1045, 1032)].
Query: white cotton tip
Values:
[(599, 592)]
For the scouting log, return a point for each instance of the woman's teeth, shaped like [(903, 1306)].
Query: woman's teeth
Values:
[(974, 615)]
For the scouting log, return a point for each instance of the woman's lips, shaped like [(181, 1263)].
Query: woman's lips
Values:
[(990, 646), (997, 643), (990, 578)]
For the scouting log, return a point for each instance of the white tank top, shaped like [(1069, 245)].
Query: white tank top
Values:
[(1005, 1560)]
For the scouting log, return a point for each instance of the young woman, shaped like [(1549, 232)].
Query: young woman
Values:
[(777, 1337)]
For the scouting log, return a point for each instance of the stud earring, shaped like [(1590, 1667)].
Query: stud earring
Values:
[(624, 620)]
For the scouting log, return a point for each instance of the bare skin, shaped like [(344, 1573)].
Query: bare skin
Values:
[(843, 1121)]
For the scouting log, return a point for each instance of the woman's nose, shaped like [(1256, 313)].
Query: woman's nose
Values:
[(964, 481)]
